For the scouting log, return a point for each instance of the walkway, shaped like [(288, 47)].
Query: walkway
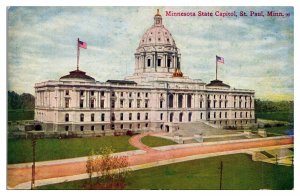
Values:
[(18, 175), (136, 142)]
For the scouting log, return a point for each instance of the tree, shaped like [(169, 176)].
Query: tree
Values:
[(111, 171)]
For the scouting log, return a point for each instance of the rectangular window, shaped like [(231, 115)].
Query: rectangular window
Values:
[(102, 93), (92, 103), (93, 128), (148, 62), (146, 95), (102, 127), (81, 93), (67, 92), (81, 128), (66, 128), (102, 117), (158, 62), (146, 116), (121, 116), (102, 104), (161, 116), (81, 103), (92, 93), (121, 103), (146, 104), (130, 116), (138, 103), (67, 103), (112, 104), (169, 63), (121, 94), (160, 104), (130, 104)]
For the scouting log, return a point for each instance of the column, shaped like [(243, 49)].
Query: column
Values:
[(166, 60), (153, 60)]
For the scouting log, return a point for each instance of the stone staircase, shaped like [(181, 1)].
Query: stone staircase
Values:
[(195, 128)]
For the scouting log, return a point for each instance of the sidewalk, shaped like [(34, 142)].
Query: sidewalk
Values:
[(75, 168)]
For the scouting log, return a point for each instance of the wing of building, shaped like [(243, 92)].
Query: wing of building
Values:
[(157, 96)]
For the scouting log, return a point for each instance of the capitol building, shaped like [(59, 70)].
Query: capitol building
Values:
[(156, 97)]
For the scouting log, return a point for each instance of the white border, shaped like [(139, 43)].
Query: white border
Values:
[(3, 88)]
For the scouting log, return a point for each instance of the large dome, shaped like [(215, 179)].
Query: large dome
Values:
[(157, 34)]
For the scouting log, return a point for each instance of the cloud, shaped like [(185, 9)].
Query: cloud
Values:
[(258, 52)]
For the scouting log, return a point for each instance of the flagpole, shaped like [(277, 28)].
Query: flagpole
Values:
[(78, 53), (216, 68)]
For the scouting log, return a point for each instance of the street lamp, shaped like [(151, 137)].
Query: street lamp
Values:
[(33, 140)]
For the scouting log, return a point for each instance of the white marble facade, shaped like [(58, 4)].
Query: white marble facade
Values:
[(154, 97)]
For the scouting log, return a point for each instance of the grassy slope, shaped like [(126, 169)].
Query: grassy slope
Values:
[(20, 150), (281, 116), (240, 172), (279, 130), (156, 141)]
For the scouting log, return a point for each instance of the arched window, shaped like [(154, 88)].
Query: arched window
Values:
[(67, 117), (180, 117), (138, 116), (169, 62), (130, 116), (81, 117)]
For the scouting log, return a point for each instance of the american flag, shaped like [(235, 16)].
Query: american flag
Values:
[(82, 44), (220, 59)]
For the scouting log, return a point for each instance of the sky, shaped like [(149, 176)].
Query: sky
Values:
[(258, 51)]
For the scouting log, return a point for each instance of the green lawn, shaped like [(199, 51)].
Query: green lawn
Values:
[(156, 141), (281, 116), (279, 130), (239, 172), (15, 115), (20, 150)]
